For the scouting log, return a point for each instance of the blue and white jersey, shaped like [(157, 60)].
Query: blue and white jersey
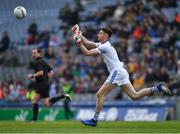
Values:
[(109, 55)]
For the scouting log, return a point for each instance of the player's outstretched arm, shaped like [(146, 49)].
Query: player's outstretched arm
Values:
[(87, 43), (92, 52)]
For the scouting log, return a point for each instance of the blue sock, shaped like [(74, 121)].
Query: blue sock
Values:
[(96, 115), (154, 89)]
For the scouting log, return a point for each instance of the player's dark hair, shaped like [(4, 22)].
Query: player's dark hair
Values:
[(38, 50), (107, 30)]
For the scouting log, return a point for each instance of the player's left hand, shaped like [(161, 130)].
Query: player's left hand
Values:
[(75, 29)]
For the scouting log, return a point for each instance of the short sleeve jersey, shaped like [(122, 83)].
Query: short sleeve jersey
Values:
[(109, 55), (41, 64)]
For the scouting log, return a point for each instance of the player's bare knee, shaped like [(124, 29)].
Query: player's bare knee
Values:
[(99, 95), (47, 105), (33, 101), (135, 97)]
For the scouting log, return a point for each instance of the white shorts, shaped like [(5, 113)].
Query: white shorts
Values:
[(118, 76)]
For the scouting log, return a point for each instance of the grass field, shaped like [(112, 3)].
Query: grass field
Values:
[(77, 127)]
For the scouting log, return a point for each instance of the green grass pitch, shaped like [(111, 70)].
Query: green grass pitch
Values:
[(77, 127)]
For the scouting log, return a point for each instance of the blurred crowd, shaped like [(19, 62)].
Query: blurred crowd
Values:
[(147, 40)]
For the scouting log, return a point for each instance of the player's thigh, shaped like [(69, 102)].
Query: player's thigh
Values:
[(35, 98), (43, 91), (105, 88), (129, 89)]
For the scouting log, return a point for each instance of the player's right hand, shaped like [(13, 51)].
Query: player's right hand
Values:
[(77, 39)]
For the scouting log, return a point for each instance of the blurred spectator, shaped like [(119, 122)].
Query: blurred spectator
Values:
[(1, 92), (32, 37), (5, 42), (49, 53), (33, 29), (11, 60), (2, 58), (150, 76), (78, 5), (138, 81), (177, 40), (52, 91), (54, 41), (66, 87), (14, 92), (65, 13), (22, 92), (44, 38), (70, 15), (162, 75), (4, 45)]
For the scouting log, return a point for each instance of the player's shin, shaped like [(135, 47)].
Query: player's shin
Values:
[(35, 111), (99, 105)]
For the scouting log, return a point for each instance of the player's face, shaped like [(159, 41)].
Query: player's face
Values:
[(102, 36), (35, 54)]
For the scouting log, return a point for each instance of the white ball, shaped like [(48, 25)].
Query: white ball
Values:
[(20, 12)]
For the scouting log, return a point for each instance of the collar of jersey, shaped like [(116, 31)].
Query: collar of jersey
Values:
[(104, 41), (38, 58)]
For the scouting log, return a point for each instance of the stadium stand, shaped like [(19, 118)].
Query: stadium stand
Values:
[(146, 36)]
